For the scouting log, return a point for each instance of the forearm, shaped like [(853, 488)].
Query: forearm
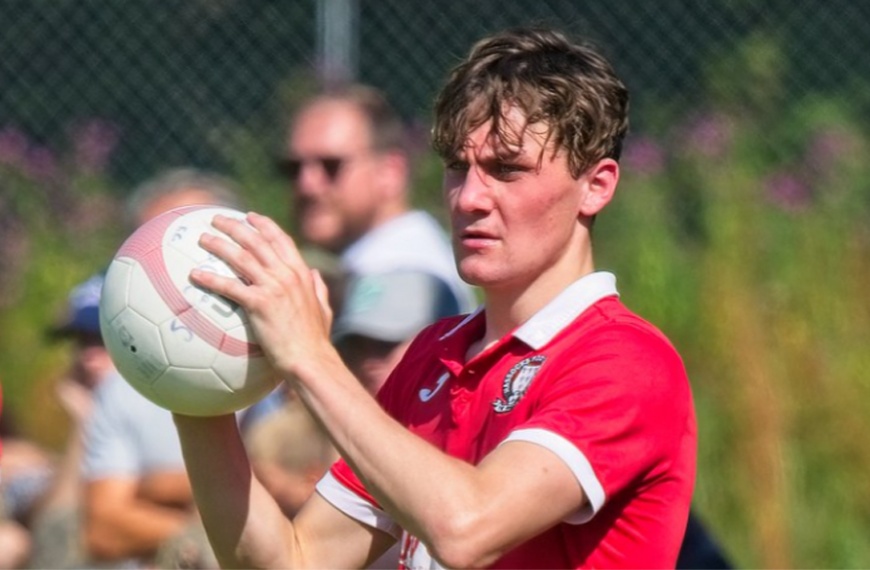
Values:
[(429, 493), (244, 523)]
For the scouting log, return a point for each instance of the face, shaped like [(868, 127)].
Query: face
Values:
[(516, 211), (91, 361), (335, 174)]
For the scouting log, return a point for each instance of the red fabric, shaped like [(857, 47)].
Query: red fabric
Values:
[(609, 383)]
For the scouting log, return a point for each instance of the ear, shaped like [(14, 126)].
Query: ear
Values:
[(394, 171), (599, 184)]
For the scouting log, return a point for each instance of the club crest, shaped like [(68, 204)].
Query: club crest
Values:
[(517, 381)]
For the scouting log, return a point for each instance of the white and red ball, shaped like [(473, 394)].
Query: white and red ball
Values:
[(182, 347)]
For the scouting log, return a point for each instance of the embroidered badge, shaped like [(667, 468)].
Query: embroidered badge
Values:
[(517, 381)]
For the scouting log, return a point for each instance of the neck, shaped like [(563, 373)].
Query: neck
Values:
[(509, 307), (389, 212), (379, 218)]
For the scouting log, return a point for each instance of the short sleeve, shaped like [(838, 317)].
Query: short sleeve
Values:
[(107, 451), (615, 412)]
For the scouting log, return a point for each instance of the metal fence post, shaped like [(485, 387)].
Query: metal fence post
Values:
[(337, 40)]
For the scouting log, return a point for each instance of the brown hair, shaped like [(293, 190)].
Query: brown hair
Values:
[(568, 86)]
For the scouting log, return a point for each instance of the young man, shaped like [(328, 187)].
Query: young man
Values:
[(553, 428)]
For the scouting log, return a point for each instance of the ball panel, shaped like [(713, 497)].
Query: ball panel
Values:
[(245, 374), (148, 236), (144, 296), (136, 347), (183, 347), (114, 295), (182, 237), (195, 392)]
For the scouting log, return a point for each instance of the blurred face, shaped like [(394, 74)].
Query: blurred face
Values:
[(515, 211), (91, 360), (337, 191)]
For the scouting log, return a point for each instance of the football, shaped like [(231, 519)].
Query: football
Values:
[(185, 349)]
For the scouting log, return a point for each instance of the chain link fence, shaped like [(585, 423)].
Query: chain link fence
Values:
[(139, 85)]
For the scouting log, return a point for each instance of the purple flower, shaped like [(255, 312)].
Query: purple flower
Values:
[(788, 192), (708, 135), (13, 147), (643, 155), (94, 141), (41, 163), (828, 148)]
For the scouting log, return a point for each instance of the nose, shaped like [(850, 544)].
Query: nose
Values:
[(311, 180), (468, 190)]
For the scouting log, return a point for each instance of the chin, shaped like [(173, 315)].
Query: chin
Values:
[(323, 235), (474, 274)]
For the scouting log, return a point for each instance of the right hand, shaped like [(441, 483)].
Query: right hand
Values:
[(287, 302)]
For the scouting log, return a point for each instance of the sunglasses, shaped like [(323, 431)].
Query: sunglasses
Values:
[(292, 167)]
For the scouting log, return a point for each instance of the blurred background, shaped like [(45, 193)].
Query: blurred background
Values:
[(740, 228)]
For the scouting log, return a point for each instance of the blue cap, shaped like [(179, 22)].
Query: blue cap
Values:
[(83, 311)]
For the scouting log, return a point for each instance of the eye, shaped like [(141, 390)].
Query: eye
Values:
[(456, 165), (506, 170)]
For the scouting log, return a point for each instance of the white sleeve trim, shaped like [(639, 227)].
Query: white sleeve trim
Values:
[(576, 462), (355, 506)]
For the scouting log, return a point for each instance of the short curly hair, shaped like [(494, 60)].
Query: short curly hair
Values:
[(568, 86)]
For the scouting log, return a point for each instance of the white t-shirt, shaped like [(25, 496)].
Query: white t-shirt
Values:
[(414, 241), (128, 435)]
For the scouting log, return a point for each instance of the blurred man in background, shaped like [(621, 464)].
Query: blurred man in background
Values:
[(347, 161)]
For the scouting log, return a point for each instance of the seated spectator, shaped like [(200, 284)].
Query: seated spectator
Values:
[(381, 314), (56, 521), (136, 492)]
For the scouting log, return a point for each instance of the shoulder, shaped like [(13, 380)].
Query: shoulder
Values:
[(615, 351), (609, 322)]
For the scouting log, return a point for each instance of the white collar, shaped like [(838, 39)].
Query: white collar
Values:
[(564, 308)]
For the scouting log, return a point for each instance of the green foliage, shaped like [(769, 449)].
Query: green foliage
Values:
[(743, 235), (57, 226), (739, 231)]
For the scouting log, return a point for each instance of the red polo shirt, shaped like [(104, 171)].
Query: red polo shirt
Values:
[(585, 378)]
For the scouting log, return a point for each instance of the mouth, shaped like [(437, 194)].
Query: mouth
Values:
[(476, 238)]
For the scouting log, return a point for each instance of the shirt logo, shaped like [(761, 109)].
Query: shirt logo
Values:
[(427, 394), (516, 383)]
